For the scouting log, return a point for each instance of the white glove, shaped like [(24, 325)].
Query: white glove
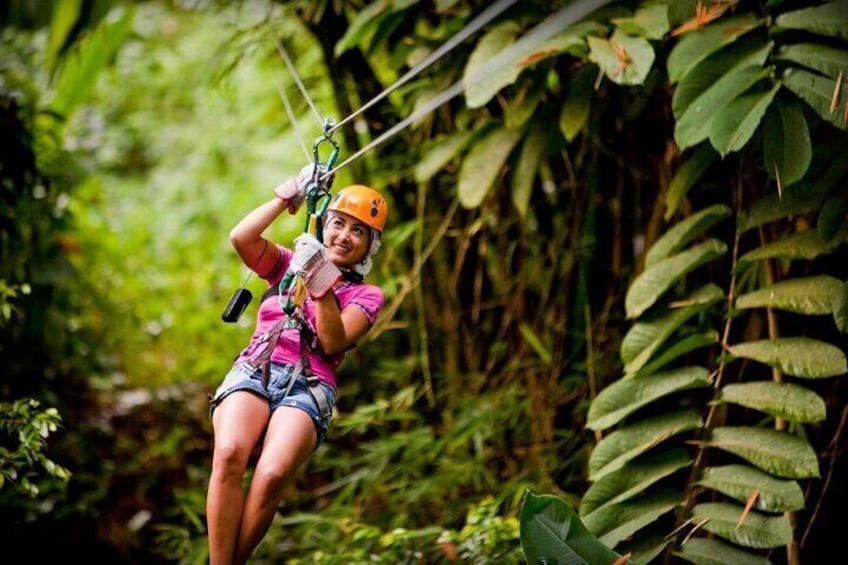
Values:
[(293, 191), (311, 263)]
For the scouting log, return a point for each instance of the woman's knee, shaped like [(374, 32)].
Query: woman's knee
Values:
[(230, 457)]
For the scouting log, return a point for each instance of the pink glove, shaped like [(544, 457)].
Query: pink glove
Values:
[(311, 262), (293, 191)]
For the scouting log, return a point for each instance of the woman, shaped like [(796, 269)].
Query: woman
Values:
[(281, 389)]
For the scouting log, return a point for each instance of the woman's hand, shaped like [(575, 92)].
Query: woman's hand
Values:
[(311, 262), (293, 191)]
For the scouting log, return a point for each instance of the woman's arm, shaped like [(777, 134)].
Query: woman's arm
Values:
[(246, 237), (338, 330)]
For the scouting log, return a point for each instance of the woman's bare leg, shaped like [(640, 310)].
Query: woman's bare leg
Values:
[(289, 440), (238, 423)]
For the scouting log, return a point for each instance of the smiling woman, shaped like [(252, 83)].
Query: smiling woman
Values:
[(279, 395)]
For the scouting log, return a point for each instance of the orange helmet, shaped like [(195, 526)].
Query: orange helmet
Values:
[(363, 203)]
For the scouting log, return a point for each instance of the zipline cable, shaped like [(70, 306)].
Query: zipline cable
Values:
[(282, 51), (552, 25), (294, 123), (482, 19)]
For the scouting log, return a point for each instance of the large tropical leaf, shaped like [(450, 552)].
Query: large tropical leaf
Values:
[(773, 451), (578, 101), (782, 400), (624, 397), (645, 547), (627, 443), (551, 532), (617, 522), (685, 232), (749, 51), (532, 150), (833, 217), (798, 199), (817, 91), (826, 59), (807, 295), (646, 337), (669, 353), (840, 309), (689, 173), (830, 18), (482, 165), (367, 21), (648, 21), (786, 143), (521, 106), (756, 530), (741, 481), (633, 479), (657, 278), (797, 356), (703, 551), (624, 59), (696, 46), (482, 86), (802, 245), (441, 154), (694, 125), (735, 124)]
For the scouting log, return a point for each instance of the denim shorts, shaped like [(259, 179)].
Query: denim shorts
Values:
[(244, 377)]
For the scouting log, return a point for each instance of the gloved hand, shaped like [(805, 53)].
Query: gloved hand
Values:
[(311, 263), (293, 191)]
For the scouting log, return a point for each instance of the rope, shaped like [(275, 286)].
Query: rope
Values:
[(294, 123), (485, 17), (552, 25), (282, 51)]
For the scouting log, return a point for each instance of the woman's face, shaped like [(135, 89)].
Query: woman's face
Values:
[(347, 239)]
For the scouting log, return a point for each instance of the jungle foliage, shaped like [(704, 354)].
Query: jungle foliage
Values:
[(615, 272)]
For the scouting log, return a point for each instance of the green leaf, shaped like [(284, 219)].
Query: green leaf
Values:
[(628, 68), (694, 125), (441, 154), (686, 176), (646, 547), (782, 400), (657, 278), (696, 46), (367, 21), (532, 152), (484, 86), (802, 245), (797, 356), (775, 452), (578, 102), (648, 21), (633, 479), (830, 19), (735, 124), (818, 92), (617, 522), (646, 336), (520, 107), (840, 309), (686, 231), (551, 532), (79, 74), (747, 52), (807, 295), (62, 21), (703, 551), (757, 530), (796, 200), (627, 443), (826, 59), (483, 164), (787, 151), (678, 349), (740, 481), (542, 351), (832, 218), (624, 397)]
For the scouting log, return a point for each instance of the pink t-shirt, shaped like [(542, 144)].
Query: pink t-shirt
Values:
[(367, 297)]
